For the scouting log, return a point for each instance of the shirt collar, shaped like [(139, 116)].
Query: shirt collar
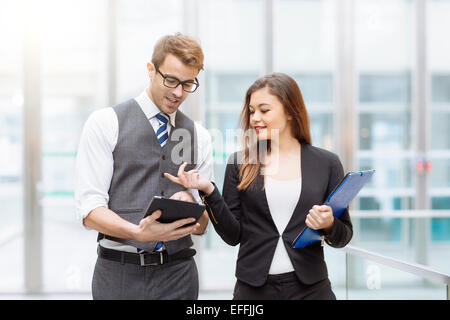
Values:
[(150, 109)]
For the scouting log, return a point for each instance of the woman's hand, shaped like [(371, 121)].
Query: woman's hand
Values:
[(191, 180), (320, 217)]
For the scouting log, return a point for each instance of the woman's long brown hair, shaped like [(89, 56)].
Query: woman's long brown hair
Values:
[(287, 91)]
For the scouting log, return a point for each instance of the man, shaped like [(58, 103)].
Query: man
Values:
[(123, 154)]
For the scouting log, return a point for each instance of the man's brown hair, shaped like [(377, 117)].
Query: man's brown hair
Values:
[(183, 47)]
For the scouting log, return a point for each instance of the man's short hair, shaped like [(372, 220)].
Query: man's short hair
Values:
[(183, 47)]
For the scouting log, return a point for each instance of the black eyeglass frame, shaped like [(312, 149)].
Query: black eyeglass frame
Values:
[(196, 83)]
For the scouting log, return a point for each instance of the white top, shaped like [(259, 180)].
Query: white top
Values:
[(281, 206), (94, 162)]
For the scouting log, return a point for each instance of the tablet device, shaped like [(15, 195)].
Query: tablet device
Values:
[(172, 210)]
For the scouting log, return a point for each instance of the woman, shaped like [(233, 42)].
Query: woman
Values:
[(268, 198)]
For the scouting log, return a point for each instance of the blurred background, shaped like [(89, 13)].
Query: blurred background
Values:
[(375, 77)]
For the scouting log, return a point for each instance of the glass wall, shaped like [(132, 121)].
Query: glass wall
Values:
[(138, 26), (232, 40), (384, 48), (75, 75), (305, 48), (439, 156), (11, 144), (439, 69), (74, 80), (94, 54)]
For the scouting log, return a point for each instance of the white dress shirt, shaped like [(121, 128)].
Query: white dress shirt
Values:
[(281, 205), (94, 162)]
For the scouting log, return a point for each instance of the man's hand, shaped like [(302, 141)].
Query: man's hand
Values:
[(151, 230)]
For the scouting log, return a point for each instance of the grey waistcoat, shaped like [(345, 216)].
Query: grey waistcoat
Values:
[(139, 165)]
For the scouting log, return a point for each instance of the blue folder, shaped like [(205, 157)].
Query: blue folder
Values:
[(338, 200)]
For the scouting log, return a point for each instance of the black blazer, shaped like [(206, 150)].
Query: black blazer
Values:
[(243, 217)]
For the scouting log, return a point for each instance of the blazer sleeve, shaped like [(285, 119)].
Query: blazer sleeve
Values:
[(342, 230), (224, 212)]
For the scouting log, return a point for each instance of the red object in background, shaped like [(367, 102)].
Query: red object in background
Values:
[(428, 166), (420, 166), (424, 165)]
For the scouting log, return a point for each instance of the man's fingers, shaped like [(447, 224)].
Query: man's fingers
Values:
[(155, 215), (182, 232), (182, 222)]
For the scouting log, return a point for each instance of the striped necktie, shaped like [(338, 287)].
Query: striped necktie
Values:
[(162, 134)]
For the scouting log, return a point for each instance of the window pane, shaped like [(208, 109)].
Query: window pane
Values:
[(440, 227), (385, 88), (381, 229), (384, 131), (322, 129), (440, 130), (140, 24), (232, 42), (73, 85), (315, 87), (11, 144), (308, 55), (228, 88), (231, 35), (386, 187), (440, 174), (439, 65), (384, 40), (440, 88), (304, 35)]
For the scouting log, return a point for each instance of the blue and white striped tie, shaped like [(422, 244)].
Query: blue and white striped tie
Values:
[(162, 134)]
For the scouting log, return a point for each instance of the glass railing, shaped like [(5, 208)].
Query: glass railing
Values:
[(373, 276)]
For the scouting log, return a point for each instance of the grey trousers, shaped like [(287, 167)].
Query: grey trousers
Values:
[(177, 280)]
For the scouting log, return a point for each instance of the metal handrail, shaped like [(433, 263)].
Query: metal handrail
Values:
[(400, 213), (413, 268)]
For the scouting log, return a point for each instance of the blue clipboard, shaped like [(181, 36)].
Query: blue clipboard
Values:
[(338, 200)]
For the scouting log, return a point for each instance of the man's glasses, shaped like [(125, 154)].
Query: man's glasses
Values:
[(171, 82)]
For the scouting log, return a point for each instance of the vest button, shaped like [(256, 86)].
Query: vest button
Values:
[(162, 193), (163, 157)]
